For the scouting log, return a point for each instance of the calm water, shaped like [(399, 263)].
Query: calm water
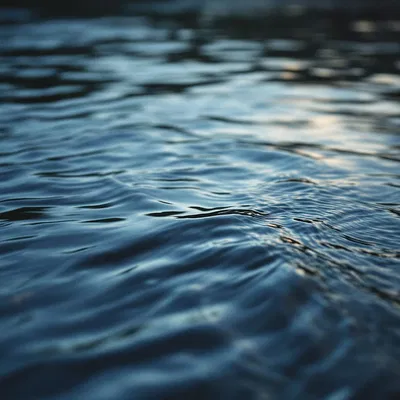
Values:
[(199, 215)]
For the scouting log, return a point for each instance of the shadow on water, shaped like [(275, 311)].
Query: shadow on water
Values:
[(23, 214)]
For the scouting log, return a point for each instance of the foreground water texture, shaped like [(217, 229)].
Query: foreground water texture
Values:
[(199, 213)]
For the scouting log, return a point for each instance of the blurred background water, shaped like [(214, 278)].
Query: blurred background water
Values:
[(199, 203)]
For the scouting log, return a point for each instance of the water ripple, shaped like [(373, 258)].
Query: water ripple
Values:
[(199, 211)]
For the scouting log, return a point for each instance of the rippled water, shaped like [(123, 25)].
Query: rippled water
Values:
[(201, 215)]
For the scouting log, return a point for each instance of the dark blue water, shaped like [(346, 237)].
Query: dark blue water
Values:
[(191, 213)]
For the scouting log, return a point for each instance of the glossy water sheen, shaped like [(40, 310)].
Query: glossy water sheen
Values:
[(199, 219)]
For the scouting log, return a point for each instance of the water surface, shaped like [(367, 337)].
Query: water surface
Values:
[(199, 213)]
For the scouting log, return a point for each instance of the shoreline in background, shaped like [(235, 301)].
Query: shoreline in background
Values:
[(209, 9)]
